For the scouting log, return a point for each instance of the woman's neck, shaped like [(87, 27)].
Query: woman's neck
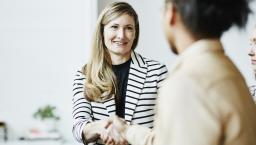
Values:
[(118, 59)]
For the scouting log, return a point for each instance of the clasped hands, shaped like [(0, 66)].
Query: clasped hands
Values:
[(114, 133)]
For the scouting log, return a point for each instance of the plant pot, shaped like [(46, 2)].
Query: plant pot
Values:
[(47, 125)]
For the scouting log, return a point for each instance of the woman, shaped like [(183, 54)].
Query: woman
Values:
[(252, 54), (116, 80)]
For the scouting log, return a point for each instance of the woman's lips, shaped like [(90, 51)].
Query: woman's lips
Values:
[(120, 43), (253, 61)]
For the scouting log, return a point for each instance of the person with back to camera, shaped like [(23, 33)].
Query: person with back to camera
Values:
[(252, 54), (205, 99), (116, 80)]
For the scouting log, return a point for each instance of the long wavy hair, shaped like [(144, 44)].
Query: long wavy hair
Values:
[(100, 82)]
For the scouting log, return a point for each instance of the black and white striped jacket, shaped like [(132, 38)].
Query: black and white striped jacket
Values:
[(144, 79)]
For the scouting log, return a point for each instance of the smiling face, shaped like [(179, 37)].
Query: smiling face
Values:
[(252, 52), (119, 35)]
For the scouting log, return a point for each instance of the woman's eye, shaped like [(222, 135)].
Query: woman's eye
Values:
[(114, 27), (130, 28), (251, 54)]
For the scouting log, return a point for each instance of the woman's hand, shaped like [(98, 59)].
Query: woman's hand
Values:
[(93, 130), (114, 133)]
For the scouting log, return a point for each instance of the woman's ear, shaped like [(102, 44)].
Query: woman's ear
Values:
[(170, 13)]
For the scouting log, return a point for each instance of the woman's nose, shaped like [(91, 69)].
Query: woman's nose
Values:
[(121, 33)]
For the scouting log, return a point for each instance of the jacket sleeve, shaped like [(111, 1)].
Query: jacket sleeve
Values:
[(162, 75), (82, 112), (186, 113), (139, 135)]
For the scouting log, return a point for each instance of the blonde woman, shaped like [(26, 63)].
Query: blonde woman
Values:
[(116, 80)]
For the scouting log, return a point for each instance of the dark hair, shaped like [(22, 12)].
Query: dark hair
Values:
[(210, 18)]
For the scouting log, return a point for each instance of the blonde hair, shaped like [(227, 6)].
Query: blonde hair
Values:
[(100, 82)]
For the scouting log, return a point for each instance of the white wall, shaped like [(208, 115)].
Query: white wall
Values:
[(42, 44), (237, 46)]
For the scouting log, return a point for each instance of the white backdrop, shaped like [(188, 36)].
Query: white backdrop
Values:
[(42, 44)]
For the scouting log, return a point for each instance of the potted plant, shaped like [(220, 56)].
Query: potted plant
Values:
[(47, 116)]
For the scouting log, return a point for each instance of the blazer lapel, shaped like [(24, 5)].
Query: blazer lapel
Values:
[(136, 79)]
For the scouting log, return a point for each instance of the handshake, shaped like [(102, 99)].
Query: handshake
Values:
[(114, 131)]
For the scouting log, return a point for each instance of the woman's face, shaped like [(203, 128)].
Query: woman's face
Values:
[(252, 52), (119, 35)]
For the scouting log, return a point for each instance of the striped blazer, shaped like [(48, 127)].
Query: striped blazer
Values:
[(144, 79)]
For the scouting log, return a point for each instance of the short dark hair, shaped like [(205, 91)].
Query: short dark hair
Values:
[(210, 18)]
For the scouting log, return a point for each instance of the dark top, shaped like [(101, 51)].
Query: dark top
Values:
[(121, 71)]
